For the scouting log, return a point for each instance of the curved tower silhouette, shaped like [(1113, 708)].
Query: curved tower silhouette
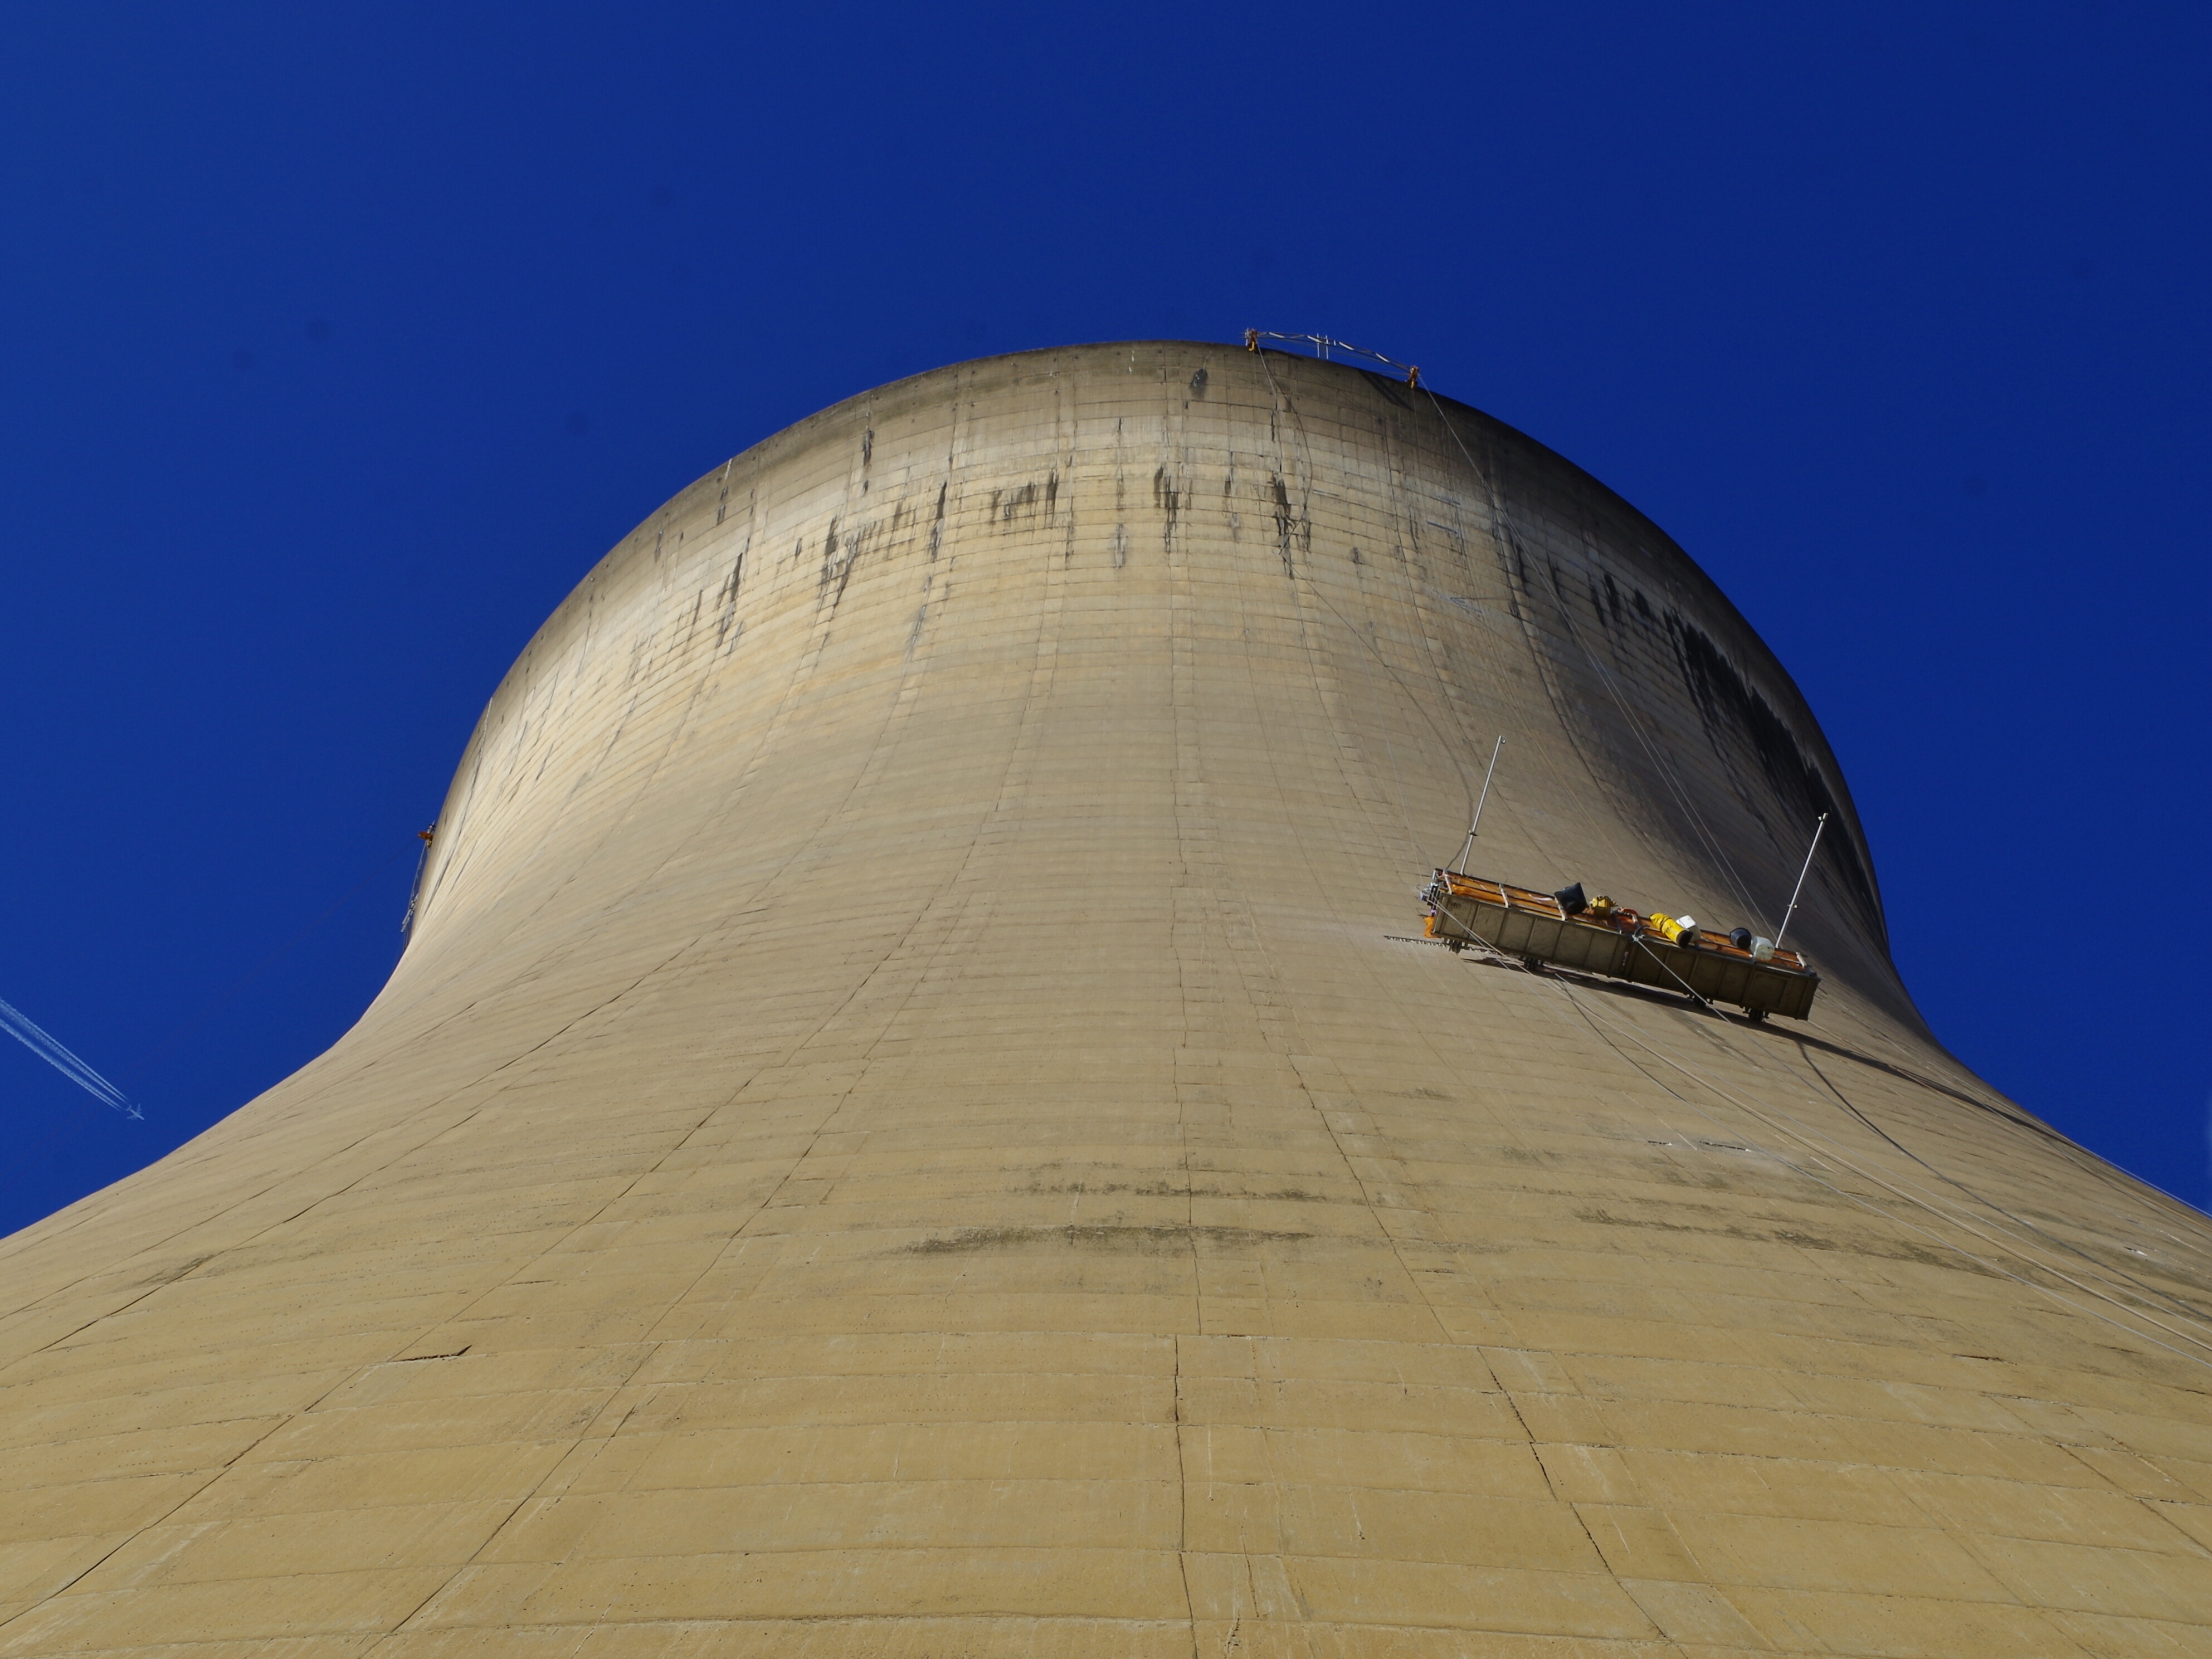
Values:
[(916, 1119)]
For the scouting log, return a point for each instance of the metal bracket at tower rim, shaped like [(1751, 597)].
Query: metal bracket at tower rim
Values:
[(1323, 346)]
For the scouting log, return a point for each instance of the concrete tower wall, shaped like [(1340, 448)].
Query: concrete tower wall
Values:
[(903, 1127)]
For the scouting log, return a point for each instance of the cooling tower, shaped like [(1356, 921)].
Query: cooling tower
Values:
[(917, 1118)]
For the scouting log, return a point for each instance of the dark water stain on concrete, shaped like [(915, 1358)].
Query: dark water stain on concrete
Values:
[(1105, 1240), (1727, 704)]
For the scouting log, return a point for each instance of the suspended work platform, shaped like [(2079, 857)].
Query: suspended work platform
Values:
[(1605, 938)]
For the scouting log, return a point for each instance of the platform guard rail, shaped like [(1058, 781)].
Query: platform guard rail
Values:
[(1535, 926)]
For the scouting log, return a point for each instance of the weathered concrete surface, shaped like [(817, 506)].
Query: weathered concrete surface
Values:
[(902, 1131)]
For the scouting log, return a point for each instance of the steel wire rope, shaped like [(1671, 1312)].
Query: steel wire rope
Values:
[(1488, 655), (1799, 1132), (1673, 782), (1436, 672), (1336, 1138), (1445, 744), (2196, 1316), (1500, 958), (2173, 1303), (1655, 755), (1287, 1053), (2185, 1311), (1503, 539), (1414, 604), (2004, 1247), (2077, 1156), (1705, 834), (1483, 478), (2075, 1153), (1487, 651), (1283, 405), (1700, 1147), (1682, 796), (1903, 1193), (1814, 1143)]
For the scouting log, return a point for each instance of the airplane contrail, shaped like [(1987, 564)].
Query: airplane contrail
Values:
[(27, 1031)]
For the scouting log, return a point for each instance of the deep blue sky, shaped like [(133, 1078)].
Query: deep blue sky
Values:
[(336, 343)]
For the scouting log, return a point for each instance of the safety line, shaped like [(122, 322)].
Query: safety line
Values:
[(2174, 1304), (2009, 1248), (1658, 759), (1706, 834), (1813, 1143), (1282, 406)]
